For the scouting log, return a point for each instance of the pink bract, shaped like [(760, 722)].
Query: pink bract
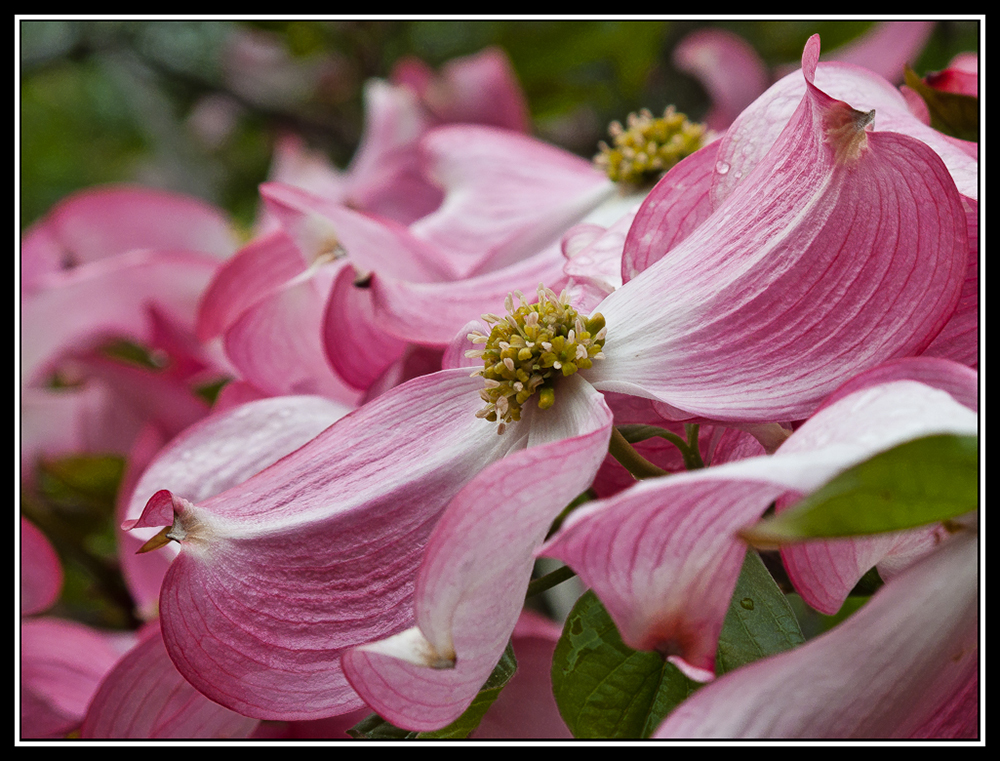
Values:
[(813, 268), (143, 697), (278, 576)]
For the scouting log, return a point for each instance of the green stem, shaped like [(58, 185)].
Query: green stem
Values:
[(549, 580), (633, 462), (691, 453)]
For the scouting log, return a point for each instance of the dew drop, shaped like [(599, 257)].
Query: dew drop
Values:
[(747, 603), (722, 167)]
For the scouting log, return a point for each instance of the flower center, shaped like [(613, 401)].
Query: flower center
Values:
[(649, 146), (530, 348)]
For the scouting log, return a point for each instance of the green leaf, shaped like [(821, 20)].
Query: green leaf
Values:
[(605, 689), (922, 481), (951, 113), (815, 623), (374, 727), (87, 478), (760, 622)]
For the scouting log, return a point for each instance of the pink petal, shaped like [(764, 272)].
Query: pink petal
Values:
[(959, 381), (653, 549), (318, 553), (62, 663), (770, 304), (825, 572), (887, 47), (323, 229), (357, 344), (227, 448), (476, 567), (675, 207), (277, 344), (507, 196), (526, 708), (729, 69), (959, 339), (41, 255), (600, 260), (955, 81), (143, 697), (99, 223), (385, 176), (108, 298), (905, 665), (432, 313), (757, 128), (219, 452), (253, 272), (41, 571), (143, 573), (295, 164), (483, 89)]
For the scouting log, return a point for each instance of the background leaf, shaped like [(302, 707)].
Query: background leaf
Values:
[(951, 113)]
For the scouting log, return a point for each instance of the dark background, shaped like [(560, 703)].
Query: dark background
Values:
[(156, 102)]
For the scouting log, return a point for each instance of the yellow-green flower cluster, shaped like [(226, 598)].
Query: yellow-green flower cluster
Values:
[(528, 349), (649, 146)]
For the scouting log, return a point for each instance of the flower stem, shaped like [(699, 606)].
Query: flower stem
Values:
[(549, 580), (692, 456), (633, 462)]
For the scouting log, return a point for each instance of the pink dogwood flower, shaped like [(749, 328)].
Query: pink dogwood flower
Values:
[(507, 199), (279, 575), (110, 263), (793, 284), (801, 277), (701, 183)]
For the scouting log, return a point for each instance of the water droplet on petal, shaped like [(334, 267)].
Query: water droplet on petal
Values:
[(722, 167)]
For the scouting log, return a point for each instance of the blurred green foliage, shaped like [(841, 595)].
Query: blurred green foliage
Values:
[(161, 103)]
